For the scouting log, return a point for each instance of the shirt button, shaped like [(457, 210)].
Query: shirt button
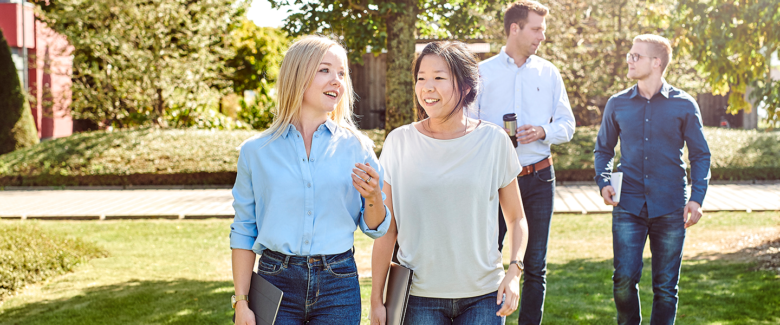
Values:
[(645, 158), (648, 102), (309, 212), (312, 160), (306, 242), (302, 159), (647, 120), (647, 176), (309, 185), (316, 136), (646, 139)]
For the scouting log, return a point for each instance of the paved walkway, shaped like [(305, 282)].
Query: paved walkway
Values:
[(216, 203)]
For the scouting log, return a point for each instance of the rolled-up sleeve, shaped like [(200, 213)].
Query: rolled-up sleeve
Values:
[(699, 155), (561, 129), (604, 153), (381, 230), (243, 230)]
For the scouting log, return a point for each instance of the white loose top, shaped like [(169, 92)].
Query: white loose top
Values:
[(445, 202)]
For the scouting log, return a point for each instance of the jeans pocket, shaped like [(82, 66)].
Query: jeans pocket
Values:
[(345, 268), (269, 266), (545, 176)]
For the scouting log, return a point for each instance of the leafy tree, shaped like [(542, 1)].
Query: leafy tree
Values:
[(390, 25), (140, 61), (733, 40), (17, 127), (258, 55)]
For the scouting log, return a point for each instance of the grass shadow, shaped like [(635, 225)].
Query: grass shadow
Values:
[(180, 301), (711, 292)]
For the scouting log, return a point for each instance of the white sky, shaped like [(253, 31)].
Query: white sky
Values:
[(262, 15)]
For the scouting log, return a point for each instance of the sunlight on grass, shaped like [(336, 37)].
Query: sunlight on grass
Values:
[(177, 272)]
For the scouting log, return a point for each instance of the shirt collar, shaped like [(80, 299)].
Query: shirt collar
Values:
[(666, 88), (509, 61), (329, 125)]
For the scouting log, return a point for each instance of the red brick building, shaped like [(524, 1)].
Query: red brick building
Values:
[(49, 67)]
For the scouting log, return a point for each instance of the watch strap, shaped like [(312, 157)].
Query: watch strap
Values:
[(519, 264)]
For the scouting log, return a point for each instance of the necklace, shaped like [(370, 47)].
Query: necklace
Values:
[(430, 130)]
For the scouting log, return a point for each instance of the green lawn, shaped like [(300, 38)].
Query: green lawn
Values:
[(178, 272)]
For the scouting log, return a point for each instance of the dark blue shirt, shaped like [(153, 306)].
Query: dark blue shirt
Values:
[(652, 134)]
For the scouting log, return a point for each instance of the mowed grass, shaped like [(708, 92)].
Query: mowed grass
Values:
[(178, 272)]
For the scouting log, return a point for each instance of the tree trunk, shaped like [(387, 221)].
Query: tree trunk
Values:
[(399, 98)]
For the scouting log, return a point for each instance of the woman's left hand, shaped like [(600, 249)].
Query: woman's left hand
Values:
[(509, 290), (366, 180)]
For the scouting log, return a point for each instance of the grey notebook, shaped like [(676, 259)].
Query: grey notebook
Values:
[(399, 283), (264, 300)]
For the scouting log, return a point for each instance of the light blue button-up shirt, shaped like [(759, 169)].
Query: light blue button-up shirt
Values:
[(535, 92), (296, 205)]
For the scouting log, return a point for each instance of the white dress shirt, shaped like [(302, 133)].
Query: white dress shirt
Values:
[(535, 92)]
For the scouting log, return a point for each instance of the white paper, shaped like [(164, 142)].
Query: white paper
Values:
[(617, 183)]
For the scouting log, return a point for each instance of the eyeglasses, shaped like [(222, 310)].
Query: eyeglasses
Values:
[(633, 57)]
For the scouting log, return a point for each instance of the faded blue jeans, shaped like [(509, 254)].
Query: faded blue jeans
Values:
[(317, 289), (538, 192), (461, 311), (667, 236)]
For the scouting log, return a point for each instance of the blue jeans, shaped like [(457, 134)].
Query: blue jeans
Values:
[(667, 236), (461, 311), (538, 192), (321, 289)]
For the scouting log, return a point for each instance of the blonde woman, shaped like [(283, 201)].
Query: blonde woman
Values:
[(303, 187)]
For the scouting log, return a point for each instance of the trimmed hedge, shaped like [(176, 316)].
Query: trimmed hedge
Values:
[(199, 157), (29, 255)]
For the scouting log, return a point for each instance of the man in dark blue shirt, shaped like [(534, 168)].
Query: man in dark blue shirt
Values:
[(653, 121)]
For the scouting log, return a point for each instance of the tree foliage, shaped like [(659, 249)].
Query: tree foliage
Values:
[(733, 40), (387, 25), (17, 127), (258, 56), (141, 61)]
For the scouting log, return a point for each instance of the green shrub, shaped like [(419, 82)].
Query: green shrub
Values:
[(17, 127), (258, 113), (29, 254)]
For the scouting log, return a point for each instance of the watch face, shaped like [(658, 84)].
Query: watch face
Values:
[(233, 301)]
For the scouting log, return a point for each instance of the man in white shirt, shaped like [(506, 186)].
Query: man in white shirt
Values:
[(517, 81)]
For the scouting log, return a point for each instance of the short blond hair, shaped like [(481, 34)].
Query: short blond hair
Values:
[(517, 13), (659, 46)]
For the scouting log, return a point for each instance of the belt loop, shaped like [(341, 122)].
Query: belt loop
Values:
[(286, 261)]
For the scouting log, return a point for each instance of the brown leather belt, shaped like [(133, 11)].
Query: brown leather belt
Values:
[(537, 166)]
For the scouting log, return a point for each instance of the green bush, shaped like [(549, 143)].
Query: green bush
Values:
[(150, 156), (17, 128), (29, 254), (258, 113)]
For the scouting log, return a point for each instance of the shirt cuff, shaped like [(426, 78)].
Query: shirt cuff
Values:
[(381, 230), (547, 137), (601, 182), (698, 198), (241, 241)]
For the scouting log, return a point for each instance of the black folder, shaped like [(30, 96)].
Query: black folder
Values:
[(399, 284), (264, 300)]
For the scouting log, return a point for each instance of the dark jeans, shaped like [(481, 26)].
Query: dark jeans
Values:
[(317, 289), (538, 192), (667, 236), (461, 311)]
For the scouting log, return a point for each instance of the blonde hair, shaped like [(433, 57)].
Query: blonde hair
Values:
[(299, 66), (659, 46)]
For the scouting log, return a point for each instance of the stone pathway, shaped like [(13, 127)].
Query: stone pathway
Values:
[(99, 204)]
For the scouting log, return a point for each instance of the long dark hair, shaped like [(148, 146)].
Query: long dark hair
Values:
[(463, 66)]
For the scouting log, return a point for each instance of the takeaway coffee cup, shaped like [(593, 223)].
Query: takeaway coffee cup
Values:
[(510, 123)]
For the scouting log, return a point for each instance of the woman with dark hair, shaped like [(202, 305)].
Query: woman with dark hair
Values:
[(444, 178)]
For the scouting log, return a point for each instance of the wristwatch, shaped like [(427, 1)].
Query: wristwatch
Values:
[(519, 264), (235, 299)]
